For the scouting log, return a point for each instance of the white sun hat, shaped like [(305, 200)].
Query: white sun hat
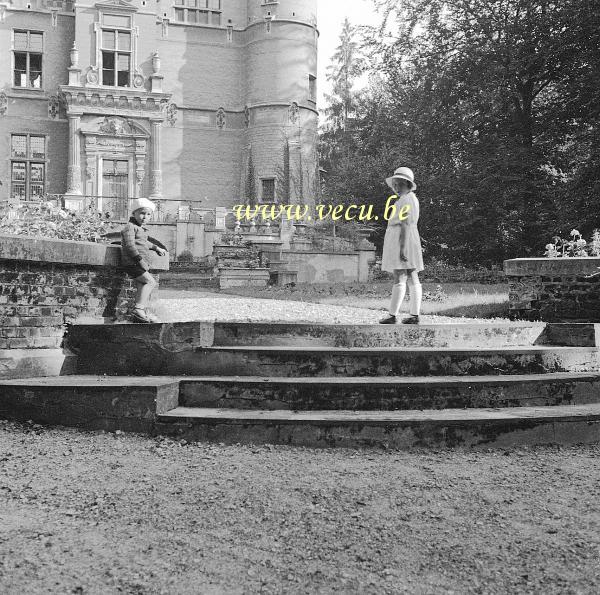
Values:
[(402, 173), (142, 203)]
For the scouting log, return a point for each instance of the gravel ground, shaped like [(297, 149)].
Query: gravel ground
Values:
[(181, 305), (113, 513)]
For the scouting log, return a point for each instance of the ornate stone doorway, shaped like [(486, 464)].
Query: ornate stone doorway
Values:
[(115, 152)]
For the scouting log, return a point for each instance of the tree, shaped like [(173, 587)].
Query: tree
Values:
[(492, 103)]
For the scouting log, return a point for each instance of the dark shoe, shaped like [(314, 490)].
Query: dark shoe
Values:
[(389, 320), (139, 316), (411, 320)]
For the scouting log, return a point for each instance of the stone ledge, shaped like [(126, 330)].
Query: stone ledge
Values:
[(50, 250), (551, 267)]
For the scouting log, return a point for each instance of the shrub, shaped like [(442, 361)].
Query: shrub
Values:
[(50, 221), (186, 257), (575, 246)]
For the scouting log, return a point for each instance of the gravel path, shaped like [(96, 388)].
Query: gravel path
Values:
[(112, 513), (180, 305)]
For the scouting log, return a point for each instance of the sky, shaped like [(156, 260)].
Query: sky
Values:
[(331, 15)]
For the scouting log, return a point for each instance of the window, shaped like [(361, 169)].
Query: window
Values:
[(116, 50), (312, 88), (28, 48), (28, 166), (198, 12), (267, 194)]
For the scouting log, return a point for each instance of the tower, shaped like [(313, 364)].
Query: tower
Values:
[(279, 91)]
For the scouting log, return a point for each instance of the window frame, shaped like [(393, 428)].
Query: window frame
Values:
[(27, 52), (312, 88), (116, 52), (182, 7), (264, 179), (28, 161)]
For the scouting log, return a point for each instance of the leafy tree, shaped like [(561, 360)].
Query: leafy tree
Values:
[(494, 104)]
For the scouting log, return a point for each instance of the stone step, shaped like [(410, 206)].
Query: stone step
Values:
[(156, 348), (390, 393), (382, 361), (90, 402), (571, 424), (377, 335)]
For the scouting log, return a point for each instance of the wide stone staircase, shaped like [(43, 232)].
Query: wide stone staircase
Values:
[(327, 385)]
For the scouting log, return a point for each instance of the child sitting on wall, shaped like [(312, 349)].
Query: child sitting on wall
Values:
[(135, 249)]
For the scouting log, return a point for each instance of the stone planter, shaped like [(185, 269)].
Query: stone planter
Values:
[(238, 277), (554, 289), (46, 284)]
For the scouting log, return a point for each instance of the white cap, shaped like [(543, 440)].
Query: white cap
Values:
[(142, 203)]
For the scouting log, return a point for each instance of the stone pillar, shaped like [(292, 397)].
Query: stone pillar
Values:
[(155, 172), (74, 198)]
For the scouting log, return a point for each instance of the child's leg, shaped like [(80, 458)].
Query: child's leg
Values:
[(416, 293), (145, 284), (398, 292)]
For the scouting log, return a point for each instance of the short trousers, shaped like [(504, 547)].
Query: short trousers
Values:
[(135, 270)]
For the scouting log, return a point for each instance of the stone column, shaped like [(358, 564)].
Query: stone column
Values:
[(155, 164), (74, 198)]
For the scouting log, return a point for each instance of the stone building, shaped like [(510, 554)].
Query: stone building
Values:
[(208, 103)]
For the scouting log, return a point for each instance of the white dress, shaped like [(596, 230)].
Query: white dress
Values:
[(391, 243)]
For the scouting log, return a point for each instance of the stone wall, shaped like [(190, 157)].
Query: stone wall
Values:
[(46, 284), (554, 289)]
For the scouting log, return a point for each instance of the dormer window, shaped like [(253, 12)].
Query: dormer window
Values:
[(116, 50)]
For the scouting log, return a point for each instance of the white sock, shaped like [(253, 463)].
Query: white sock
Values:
[(398, 295), (416, 297)]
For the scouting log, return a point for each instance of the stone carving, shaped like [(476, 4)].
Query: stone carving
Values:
[(53, 107), (115, 142), (3, 103), (246, 116), (171, 113), (138, 80), (115, 125), (74, 55), (90, 168), (91, 76), (221, 119), (294, 112)]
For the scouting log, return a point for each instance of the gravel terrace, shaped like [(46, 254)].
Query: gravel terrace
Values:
[(85, 512), (183, 305)]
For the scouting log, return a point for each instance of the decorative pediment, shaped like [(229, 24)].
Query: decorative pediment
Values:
[(116, 126), (120, 4)]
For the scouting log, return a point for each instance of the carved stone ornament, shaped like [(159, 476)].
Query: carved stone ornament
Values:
[(138, 80), (91, 76), (3, 103), (294, 112), (221, 120), (171, 113), (53, 107)]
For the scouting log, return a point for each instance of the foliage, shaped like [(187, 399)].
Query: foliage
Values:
[(186, 257), (575, 246), (491, 102), (50, 221)]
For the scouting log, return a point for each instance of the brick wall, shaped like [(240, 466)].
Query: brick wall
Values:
[(554, 289), (45, 284), (38, 299)]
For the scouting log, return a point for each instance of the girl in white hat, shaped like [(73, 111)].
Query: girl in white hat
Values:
[(402, 253), (135, 257)]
